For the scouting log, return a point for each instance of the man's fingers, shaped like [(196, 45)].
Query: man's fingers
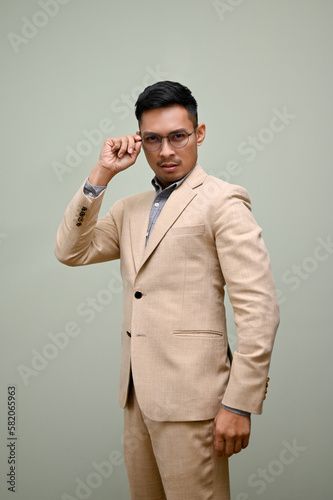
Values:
[(219, 444), (130, 144), (229, 449), (134, 144), (114, 144), (137, 147), (245, 442), (238, 445), (226, 448), (123, 145)]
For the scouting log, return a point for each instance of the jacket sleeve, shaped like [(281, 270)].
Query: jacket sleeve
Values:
[(82, 238), (245, 265)]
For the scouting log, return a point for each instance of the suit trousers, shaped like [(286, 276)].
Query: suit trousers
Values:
[(172, 460)]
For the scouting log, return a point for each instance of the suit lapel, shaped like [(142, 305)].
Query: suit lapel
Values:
[(175, 205), (138, 226)]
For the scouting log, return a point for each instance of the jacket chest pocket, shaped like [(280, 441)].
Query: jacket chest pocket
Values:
[(187, 230), (205, 334)]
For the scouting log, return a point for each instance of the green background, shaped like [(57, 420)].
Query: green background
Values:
[(72, 68)]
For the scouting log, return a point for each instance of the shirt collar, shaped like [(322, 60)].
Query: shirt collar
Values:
[(158, 187)]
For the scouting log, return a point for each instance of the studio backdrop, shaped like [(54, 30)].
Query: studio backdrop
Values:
[(261, 71)]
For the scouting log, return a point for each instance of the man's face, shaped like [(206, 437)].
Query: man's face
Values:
[(171, 163)]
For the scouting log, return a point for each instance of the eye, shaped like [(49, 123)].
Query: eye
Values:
[(178, 136), (151, 139)]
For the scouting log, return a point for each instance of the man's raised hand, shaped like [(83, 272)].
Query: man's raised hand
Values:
[(117, 154)]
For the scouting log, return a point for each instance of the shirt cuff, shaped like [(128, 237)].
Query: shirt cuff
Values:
[(239, 412), (93, 191)]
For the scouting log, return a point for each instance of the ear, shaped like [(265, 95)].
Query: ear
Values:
[(200, 133)]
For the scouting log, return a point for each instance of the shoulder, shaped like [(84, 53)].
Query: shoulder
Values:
[(221, 192), (214, 186)]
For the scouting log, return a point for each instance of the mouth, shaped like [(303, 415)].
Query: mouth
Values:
[(169, 166)]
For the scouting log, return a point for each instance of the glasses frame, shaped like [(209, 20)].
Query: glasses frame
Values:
[(168, 137)]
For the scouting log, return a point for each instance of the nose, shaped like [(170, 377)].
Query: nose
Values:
[(166, 149)]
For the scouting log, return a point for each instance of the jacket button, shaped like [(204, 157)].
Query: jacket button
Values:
[(84, 209), (79, 223), (82, 213), (129, 334), (138, 295)]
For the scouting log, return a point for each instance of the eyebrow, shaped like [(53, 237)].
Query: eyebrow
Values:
[(172, 132)]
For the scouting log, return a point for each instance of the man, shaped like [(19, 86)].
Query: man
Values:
[(186, 407)]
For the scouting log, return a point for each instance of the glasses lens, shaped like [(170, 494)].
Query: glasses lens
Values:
[(178, 139), (151, 142)]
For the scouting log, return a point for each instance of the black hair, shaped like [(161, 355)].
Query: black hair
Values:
[(165, 94)]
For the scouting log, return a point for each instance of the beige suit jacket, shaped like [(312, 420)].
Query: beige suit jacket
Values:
[(174, 336)]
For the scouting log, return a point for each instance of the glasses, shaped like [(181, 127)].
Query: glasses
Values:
[(177, 139)]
